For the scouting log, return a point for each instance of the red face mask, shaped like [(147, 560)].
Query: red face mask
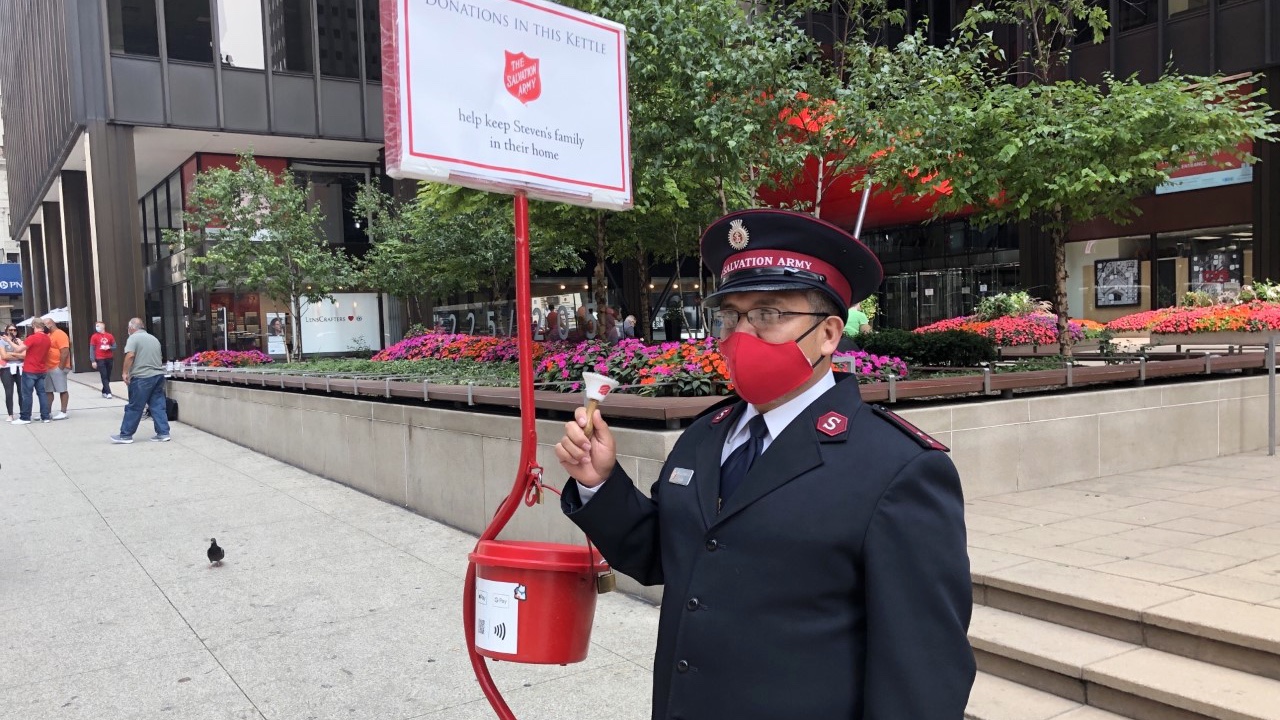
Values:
[(763, 371)]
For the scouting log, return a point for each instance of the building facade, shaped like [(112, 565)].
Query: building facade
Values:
[(115, 105), (1211, 230), (10, 268)]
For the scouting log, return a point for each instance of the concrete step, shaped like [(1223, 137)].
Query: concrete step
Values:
[(1120, 677), (994, 698), (1230, 633)]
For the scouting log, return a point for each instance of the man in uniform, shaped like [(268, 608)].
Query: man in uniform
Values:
[(812, 547)]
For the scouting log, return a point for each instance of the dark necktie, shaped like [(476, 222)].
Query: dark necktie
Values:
[(739, 461)]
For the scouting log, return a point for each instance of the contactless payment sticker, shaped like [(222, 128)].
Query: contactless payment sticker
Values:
[(498, 615)]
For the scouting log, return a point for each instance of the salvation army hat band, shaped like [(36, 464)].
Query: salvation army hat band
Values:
[(776, 270), (768, 250)]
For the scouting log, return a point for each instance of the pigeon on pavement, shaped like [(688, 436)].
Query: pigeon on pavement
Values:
[(215, 553)]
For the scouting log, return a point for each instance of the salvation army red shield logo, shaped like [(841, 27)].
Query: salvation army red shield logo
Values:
[(520, 74)]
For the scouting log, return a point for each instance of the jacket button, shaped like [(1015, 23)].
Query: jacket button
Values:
[(713, 545), (693, 604), (682, 666)]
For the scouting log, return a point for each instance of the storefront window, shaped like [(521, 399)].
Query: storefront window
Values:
[(1107, 279), (236, 320), (187, 31), (132, 27), (1216, 262), (291, 35), (338, 37), (240, 33)]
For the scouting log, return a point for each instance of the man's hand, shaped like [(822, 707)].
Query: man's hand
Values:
[(125, 378), (94, 364), (590, 461)]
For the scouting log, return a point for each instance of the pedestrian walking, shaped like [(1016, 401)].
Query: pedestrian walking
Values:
[(34, 367), (143, 375), (12, 352), (102, 348), (812, 546), (59, 366)]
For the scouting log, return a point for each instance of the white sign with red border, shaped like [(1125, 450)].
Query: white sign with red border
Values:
[(507, 95)]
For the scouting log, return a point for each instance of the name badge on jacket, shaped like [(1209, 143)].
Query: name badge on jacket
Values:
[(680, 476)]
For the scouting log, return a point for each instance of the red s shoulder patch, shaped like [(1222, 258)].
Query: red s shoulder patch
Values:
[(915, 433), (833, 424), (721, 415)]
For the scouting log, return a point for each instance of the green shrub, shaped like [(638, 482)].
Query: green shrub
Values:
[(890, 342), (951, 348), (954, 348)]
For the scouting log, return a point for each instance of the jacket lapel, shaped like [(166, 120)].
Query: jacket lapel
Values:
[(707, 464), (795, 452)]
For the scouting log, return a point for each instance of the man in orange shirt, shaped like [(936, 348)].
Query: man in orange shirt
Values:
[(59, 364)]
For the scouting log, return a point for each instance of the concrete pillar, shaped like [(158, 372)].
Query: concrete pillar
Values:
[(117, 229), (39, 272), (77, 246), (1266, 206), (28, 284), (55, 267)]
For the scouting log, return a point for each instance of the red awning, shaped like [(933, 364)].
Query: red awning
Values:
[(842, 197)]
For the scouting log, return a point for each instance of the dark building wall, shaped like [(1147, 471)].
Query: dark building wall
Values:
[(40, 121)]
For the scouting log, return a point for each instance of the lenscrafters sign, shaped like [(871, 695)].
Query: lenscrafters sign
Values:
[(348, 322), (10, 279)]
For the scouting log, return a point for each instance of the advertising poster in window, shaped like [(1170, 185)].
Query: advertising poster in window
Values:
[(508, 95), (1116, 283), (1217, 271), (347, 323), (276, 328)]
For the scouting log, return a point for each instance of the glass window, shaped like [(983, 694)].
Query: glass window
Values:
[(291, 35), (132, 26), (187, 31), (1084, 33), (334, 190), (1136, 13), (240, 33), (372, 41), (339, 43), (1213, 261), (1177, 7)]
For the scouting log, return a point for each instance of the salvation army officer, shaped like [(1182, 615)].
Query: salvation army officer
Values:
[(812, 547)]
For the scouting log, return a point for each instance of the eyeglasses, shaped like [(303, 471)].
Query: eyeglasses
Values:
[(762, 319)]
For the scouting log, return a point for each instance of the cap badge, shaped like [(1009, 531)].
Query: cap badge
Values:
[(738, 235)]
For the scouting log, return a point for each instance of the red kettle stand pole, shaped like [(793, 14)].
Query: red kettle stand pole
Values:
[(528, 470)]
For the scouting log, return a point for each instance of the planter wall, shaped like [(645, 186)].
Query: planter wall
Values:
[(456, 466)]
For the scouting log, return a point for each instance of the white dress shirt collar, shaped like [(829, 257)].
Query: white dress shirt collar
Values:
[(778, 418)]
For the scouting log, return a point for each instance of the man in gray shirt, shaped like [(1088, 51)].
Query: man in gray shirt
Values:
[(143, 375)]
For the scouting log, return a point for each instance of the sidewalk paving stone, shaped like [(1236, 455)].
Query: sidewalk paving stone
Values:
[(332, 604)]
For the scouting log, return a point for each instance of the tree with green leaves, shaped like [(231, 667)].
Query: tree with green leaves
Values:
[(247, 227), (448, 241), (1020, 143)]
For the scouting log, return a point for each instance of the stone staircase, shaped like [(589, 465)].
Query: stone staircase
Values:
[(1052, 641)]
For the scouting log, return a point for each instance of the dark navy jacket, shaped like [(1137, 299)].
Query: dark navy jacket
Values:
[(833, 584)]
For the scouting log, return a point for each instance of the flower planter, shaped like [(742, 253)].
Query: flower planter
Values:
[(1217, 339), (1045, 350)]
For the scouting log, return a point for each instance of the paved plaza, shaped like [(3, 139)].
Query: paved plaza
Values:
[(332, 604)]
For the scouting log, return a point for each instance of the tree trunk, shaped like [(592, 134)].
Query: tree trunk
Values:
[(601, 296), (644, 321), (296, 302), (1058, 235)]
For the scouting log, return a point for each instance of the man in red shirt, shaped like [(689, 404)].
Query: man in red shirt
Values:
[(33, 371), (102, 348)]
